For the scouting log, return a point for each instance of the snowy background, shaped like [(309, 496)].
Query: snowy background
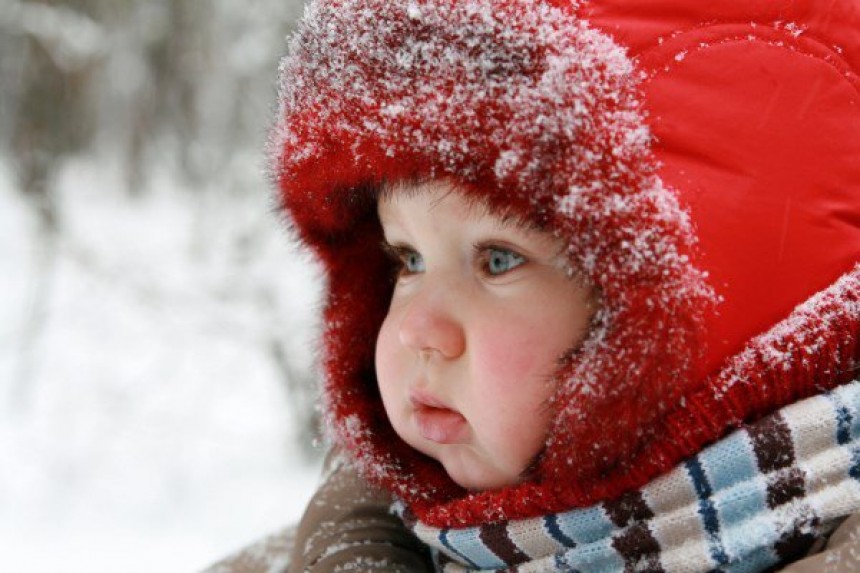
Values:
[(156, 324)]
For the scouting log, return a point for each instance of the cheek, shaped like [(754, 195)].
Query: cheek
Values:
[(505, 356), (529, 338), (518, 348), (512, 388), (387, 363)]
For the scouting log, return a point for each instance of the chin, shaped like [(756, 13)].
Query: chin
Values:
[(463, 469), (478, 478)]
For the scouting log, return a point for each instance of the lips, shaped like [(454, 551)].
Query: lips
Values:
[(436, 421)]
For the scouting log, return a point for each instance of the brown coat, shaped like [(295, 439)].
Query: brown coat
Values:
[(347, 527)]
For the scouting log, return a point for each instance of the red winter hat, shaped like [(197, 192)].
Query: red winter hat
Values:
[(531, 108)]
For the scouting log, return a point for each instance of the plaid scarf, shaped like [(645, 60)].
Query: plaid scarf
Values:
[(757, 498)]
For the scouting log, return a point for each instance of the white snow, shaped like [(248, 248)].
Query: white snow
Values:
[(145, 424)]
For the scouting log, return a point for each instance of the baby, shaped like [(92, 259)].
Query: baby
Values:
[(483, 308), (592, 282)]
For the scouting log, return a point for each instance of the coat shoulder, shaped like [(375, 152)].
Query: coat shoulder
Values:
[(840, 554)]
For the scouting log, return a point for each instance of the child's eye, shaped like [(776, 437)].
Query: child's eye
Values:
[(407, 261), (500, 261), (412, 262)]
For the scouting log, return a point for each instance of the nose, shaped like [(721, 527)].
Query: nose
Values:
[(430, 324)]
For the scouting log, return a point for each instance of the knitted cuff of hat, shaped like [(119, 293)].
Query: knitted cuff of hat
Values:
[(758, 497)]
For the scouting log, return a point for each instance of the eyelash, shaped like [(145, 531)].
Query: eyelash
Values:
[(482, 253)]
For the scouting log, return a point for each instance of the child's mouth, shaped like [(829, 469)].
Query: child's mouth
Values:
[(437, 422), (439, 425)]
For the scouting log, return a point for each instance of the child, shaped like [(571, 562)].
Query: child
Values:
[(619, 331), (481, 409)]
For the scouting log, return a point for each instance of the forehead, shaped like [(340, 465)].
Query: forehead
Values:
[(404, 201)]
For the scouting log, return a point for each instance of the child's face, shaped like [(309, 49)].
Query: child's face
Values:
[(482, 311)]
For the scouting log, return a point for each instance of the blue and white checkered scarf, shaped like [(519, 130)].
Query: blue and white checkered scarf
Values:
[(757, 498)]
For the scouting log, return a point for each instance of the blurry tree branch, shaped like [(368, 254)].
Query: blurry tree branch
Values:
[(68, 36)]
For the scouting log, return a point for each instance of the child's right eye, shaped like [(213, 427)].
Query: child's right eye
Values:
[(411, 262), (407, 261)]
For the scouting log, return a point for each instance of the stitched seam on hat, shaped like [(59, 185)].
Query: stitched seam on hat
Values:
[(662, 57)]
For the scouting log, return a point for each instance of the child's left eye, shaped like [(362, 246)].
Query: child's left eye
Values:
[(500, 261)]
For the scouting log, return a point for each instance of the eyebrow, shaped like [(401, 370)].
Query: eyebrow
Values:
[(394, 251), (388, 246)]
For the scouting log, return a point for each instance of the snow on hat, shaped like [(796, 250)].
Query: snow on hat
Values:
[(532, 109)]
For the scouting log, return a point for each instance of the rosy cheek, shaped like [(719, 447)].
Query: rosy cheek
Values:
[(387, 363), (505, 355)]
